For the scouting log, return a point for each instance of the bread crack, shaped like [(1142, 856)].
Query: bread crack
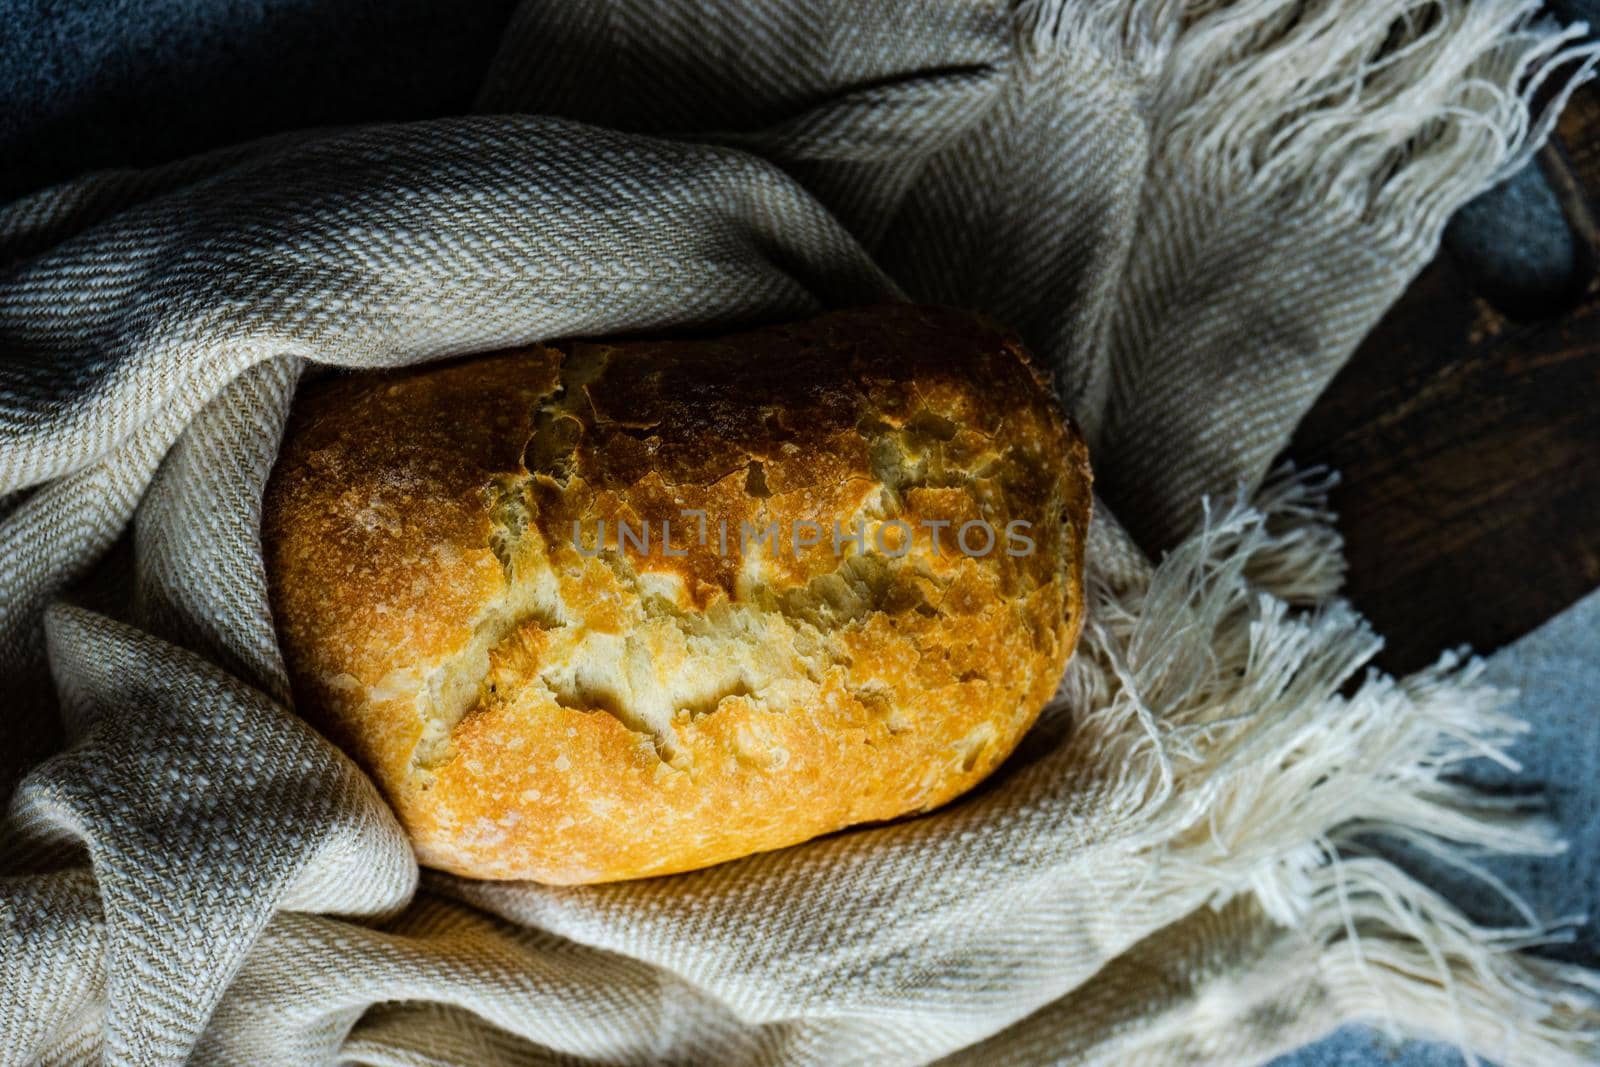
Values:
[(529, 636)]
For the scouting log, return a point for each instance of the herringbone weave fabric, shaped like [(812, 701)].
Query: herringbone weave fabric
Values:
[(1193, 211)]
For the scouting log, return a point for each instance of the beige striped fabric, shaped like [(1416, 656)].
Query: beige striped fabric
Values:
[(1192, 210)]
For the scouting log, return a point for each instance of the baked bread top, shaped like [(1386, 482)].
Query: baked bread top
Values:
[(466, 602)]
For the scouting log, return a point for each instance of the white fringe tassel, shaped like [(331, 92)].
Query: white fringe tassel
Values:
[(1220, 704), (1387, 113)]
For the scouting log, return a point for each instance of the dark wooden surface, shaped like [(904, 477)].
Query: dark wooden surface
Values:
[(1469, 444)]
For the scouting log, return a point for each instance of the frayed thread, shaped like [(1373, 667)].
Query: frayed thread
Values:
[(1241, 767), (1390, 112), (1133, 36)]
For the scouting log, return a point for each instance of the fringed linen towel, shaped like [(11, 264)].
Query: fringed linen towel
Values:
[(1194, 211)]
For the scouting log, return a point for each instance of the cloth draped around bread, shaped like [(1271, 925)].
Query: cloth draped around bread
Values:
[(1191, 212)]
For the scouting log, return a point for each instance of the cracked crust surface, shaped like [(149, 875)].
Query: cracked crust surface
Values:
[(535, 709)]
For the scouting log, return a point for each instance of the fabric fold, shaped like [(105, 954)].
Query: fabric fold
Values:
[(1191, 211)]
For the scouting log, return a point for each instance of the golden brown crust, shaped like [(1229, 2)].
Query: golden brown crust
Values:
[(535, 710)]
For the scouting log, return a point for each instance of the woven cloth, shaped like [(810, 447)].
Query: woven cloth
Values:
[(1192, 211)]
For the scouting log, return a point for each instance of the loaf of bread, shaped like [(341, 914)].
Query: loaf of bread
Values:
[(597, 611)]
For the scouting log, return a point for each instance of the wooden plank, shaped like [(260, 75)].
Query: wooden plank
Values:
[(1470, 450)]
